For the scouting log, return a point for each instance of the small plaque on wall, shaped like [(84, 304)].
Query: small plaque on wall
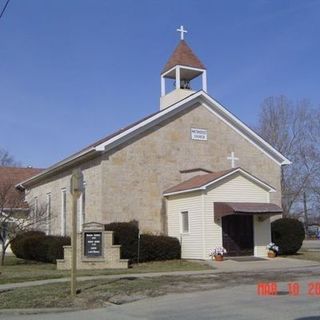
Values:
[(199, 134), (93, 244)]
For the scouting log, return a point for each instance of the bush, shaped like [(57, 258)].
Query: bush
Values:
[(125, 234), (288, 234), (152, 248), (37, 246), (54, 247), (155, 248), (17, 246)]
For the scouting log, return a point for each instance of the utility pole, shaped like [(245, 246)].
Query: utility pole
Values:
[(76, 186)]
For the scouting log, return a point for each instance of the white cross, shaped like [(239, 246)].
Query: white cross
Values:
[(182, 31), (233, 159)]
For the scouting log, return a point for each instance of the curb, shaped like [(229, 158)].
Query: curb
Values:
[(37, 311)]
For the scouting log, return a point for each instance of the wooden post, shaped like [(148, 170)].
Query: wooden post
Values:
[(181, 248), (76, 186), (138, 247)]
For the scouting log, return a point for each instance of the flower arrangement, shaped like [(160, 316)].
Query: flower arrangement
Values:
[(272, 247), (218, 251)]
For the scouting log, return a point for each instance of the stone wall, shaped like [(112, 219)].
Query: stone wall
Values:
[(135, 175), (110, 258), (127, 183), (92, 177)]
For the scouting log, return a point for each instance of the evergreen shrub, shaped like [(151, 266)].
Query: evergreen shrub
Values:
[(152, 247), (288, 234)]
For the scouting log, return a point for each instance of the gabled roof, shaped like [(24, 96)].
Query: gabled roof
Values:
[(183, 55), (10, 197), (123, 135), (202, 182)]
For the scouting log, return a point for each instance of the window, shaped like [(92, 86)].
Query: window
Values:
[(63, 211), (35, 210), (185, 221), (49, 213), (82, 208)]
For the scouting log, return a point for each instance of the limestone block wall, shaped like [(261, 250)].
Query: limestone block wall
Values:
[(127, 182), (110, 258), (136, 174), (92, 176)]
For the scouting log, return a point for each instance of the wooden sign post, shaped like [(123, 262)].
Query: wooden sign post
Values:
[(76, 188)]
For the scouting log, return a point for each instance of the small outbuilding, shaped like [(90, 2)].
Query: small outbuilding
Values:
[(228, 208)]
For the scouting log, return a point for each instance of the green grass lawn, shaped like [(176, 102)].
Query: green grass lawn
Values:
[(17, 270)]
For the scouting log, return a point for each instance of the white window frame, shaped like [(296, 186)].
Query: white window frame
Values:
[(35, 210), (48, 226), (82, 208), (63, 211), (181, 221)]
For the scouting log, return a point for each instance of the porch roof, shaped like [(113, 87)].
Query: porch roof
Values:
[(252, 208)]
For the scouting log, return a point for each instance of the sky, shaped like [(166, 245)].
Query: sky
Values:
[(72, 72)]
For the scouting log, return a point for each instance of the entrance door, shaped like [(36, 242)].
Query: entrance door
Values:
[(237, 235)]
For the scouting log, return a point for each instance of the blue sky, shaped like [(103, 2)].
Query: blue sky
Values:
[(74, 71)]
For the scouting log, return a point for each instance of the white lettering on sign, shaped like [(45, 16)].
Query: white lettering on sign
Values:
[(199, 134)]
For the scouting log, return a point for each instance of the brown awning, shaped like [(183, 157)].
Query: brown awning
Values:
[(253, 208)]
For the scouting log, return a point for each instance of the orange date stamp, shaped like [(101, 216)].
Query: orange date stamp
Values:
[(294, 289)]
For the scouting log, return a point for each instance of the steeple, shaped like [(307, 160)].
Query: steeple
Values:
[(183, 66)]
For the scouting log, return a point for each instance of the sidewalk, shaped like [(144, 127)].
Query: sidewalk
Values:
[(278, 264)]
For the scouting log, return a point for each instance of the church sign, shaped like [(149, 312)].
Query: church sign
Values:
[(199, 134), (92, 244)]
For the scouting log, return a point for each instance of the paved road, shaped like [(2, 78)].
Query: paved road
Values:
[(238, 303)]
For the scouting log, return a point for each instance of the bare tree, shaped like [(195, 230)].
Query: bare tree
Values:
[(16, 216), (6, 159), (294, 130)]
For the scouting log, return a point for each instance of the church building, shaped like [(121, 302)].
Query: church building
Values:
[(191, 170)]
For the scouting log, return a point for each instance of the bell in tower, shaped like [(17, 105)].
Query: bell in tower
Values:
[(182, 67)]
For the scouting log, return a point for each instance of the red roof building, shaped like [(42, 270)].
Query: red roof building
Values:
[(10, 197)]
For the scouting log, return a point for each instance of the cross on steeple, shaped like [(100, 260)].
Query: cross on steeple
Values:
[(182, 31), (233, 159)]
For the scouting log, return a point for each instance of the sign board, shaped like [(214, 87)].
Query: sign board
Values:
[(199, 134), (93, 244)]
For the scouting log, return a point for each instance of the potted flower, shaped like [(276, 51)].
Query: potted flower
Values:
[(272, 250), (217, 253)]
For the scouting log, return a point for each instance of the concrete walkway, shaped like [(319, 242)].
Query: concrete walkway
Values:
[(277, 264), (311, 245), (264, 265)]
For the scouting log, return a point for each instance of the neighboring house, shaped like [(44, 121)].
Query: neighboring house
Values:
[(12, 201), (143, 172)]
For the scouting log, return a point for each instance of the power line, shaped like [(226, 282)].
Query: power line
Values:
[(4, 9)]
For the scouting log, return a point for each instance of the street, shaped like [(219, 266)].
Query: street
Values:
[(239, 303)]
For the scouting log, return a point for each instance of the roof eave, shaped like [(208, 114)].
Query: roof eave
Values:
[(190, 100), (253, 136), (264, 185), (166, 194), (66, 163)]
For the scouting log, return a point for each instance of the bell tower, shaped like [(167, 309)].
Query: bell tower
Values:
[(182, 67)]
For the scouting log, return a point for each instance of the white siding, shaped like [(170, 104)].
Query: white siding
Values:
[(262, 236), (192, 242), (235, 189)]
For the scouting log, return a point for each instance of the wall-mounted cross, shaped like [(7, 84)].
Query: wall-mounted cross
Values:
[(233, 159), (182, 31)]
